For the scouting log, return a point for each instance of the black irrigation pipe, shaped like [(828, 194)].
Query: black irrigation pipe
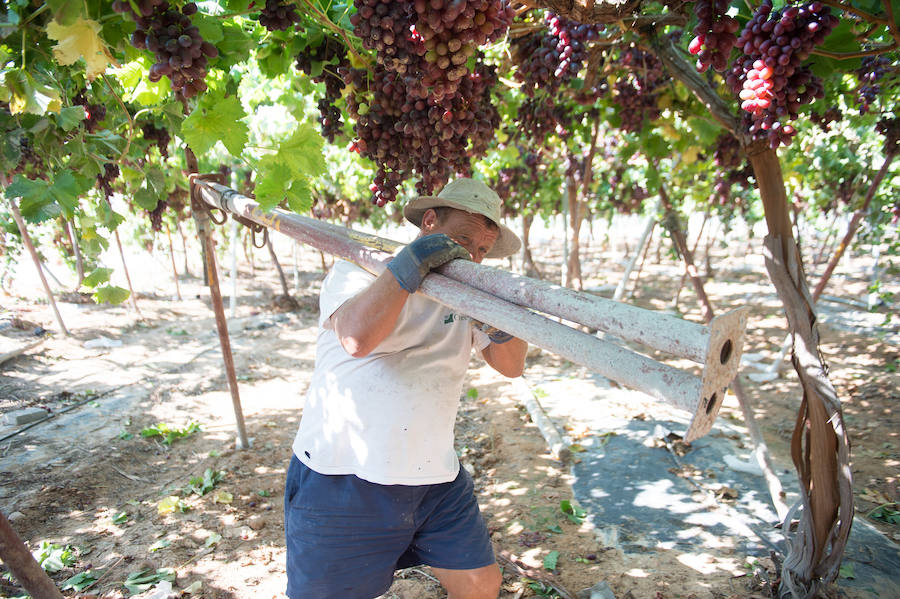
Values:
[(63, 411), (89, 399)]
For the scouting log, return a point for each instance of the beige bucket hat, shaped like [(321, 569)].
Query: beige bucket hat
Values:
[(472, 196)]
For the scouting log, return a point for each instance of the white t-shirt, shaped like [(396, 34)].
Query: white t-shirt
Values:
[(387, 417)]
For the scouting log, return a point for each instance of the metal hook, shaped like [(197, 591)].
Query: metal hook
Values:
[(254, 229)]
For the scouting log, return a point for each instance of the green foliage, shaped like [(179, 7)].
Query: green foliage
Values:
[(574, 512), (170, 433), (550, 560), (79, 582), (53, 558), (143, 580), (203, 485)]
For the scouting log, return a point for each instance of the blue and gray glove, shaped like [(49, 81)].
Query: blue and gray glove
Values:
[(493, 333), (418, 258)]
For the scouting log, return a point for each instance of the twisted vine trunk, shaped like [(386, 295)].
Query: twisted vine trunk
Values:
[(820, 446)]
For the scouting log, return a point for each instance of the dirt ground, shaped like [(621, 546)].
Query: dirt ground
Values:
[(124, 502)]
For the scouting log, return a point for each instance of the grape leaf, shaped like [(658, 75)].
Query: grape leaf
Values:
[(66, 11), (275, 182), (24, 94), (209, 27), (66, 190), (70, 117), (142, 90), (100, 275), (216, 119), (302, 151), (111, 294), (25, 188), (80, 39), (550, 560)]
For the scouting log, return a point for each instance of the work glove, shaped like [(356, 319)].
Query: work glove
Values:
[(493, 333), (418, 258)]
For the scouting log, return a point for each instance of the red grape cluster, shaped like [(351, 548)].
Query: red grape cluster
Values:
[(156, 215), (551, 58), (334, 54), (871, 73), (890, 128), (181, 53), (637, 91), (733, 169), (94, 113), (715, 34), (105, 179), (428, 42), (405, 135), (540, 117), (824, 119), (30, 163), (770, 78), (278, 15), (159, 135), (728, 153)]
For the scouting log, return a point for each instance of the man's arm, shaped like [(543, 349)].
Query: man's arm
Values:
[(367, 318), (507, 358)]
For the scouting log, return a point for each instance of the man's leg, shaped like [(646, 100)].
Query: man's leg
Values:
[(480, 583)]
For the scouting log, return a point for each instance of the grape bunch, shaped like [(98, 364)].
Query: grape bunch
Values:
[(540, 117), (156, 215), (637, 91), (278, 15), (890, 129), (551, 58), (727, 153), (733, 169), (405, 135), (159, 135), (714, 35), (30, 163), (94, 113), (181, 53), (334, 53), (871, 73), (824, 119), (105, 179), (770, 79), (428, 42)]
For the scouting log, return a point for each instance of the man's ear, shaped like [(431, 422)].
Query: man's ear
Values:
[(429, 220)]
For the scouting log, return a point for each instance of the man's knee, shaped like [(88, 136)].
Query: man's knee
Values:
[(480, 583)]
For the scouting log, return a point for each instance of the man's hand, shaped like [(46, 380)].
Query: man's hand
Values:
[(418, 258)]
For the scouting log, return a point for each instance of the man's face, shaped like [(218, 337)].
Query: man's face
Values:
[(471, 231)]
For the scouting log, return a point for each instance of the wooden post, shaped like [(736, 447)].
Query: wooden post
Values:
[(73, 239), (127, 276), (693, 255), (21, 563), (648, 228), (172, 256), (26, 239), (187, 270), (281, 277)]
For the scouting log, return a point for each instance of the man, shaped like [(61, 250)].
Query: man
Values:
[(374, 483)]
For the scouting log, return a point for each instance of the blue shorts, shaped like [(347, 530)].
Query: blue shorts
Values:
[(345, 536)]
